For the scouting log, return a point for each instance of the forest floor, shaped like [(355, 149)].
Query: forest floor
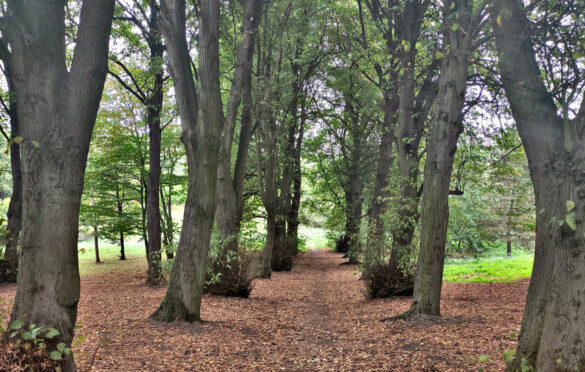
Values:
[(313, 318)]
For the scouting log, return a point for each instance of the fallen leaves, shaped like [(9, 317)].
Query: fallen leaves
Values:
[(313, 318)]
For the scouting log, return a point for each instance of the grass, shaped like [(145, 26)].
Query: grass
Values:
[(490, 269), (316, 237), (109, 257)]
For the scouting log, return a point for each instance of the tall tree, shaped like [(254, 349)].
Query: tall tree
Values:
[(201, 122), (144, 16), (57, 111), (552, 327), (230, 203), (460, 27)]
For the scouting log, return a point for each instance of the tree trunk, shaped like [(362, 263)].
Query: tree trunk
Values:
[(376, 228), (57, 111), (201, 123), (9, 265), (409, 132), (122, 248), (553, 326), (292, 232), (229, 190), (509, 230), (154, 111), (446, 127), (96, 244), (266, 268), (167, 223)]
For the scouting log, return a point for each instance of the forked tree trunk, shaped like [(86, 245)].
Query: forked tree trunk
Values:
[(553, 326), (230, 189), (57, 111), (201, 123), (446, 127)]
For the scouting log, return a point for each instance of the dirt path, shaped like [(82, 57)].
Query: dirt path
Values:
[(313, 318)]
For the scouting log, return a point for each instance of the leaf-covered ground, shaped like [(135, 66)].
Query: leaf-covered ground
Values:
[(313, 318)]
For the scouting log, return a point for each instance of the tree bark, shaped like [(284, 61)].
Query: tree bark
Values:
[(409, 133), (201, 122), (57, 111), (292, 231), (447, 125), (553, 326), (154, 111), (509, 230), (376, 227)]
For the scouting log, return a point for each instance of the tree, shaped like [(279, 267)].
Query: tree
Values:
[(230, 185), (152, 99), (461, 25), (57, 111), (552, 326), (201, 122)]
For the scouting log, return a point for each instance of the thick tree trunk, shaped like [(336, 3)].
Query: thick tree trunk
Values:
[(9, 265), (57, 111), (553, 326), (201, 123), (446, 127), (154, 112)]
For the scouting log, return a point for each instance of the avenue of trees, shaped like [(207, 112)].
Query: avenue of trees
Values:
[(409, 129)]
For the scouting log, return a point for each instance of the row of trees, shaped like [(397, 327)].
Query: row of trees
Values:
[(252, 81)]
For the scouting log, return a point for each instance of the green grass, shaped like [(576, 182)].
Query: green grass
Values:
[(316, 237), (489, 270), (109, 257)]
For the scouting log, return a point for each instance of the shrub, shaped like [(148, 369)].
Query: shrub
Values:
[(383, 280), (231, 274)]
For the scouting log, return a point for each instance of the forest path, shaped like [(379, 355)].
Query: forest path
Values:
[(312, 318)]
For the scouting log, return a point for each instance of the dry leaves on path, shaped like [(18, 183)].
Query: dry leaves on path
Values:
[(313, 318)]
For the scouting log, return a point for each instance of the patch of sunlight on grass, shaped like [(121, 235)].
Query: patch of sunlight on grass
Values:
[(489, 270), (316, 237), (110, 257)]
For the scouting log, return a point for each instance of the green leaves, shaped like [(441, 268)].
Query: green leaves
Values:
[(17, 324)]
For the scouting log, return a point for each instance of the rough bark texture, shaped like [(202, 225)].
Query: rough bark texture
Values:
[(553, 327), (446, 127), (57, 111), (154, 110), (9, 264), (201, 121)]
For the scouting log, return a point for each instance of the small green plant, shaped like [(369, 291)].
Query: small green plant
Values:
[(38, 337), (483, 358)]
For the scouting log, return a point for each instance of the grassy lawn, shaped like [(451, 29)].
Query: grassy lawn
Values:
[(109, 257), (489, 269), (316, 237)]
